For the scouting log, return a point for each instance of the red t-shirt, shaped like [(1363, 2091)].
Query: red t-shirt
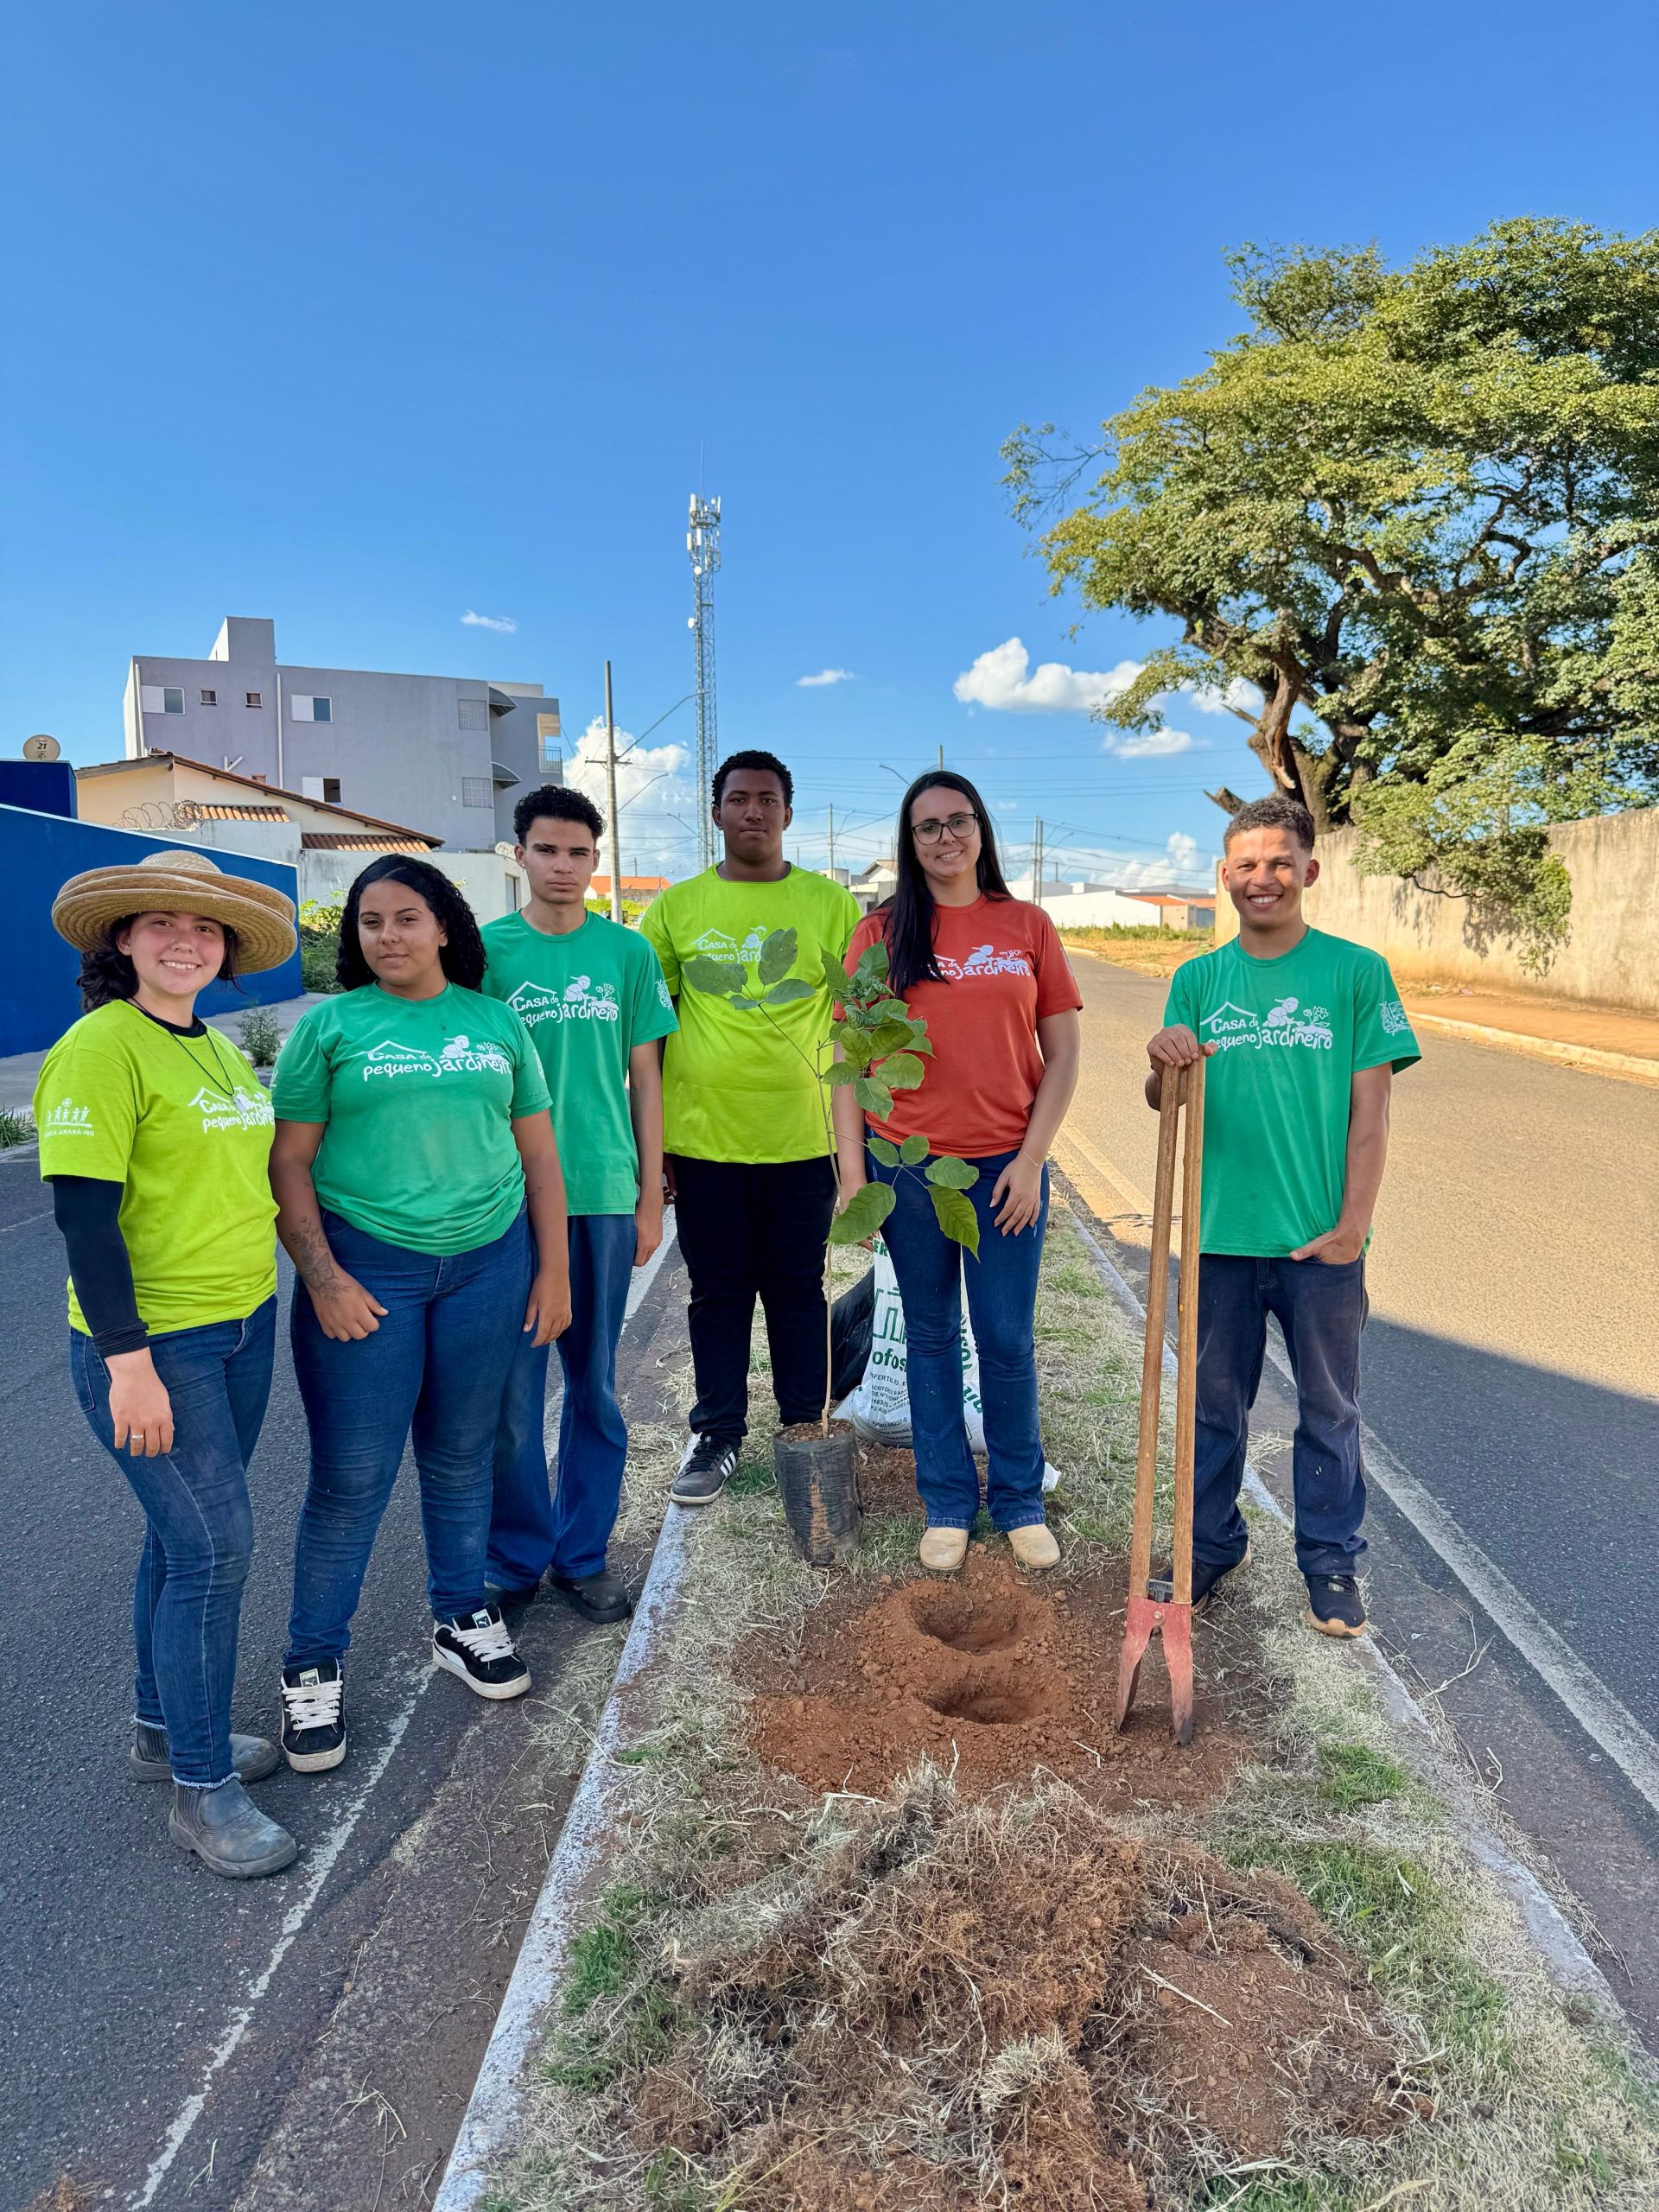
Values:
[(1005, 969)]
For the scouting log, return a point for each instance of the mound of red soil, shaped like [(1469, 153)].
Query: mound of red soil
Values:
[(990, 1674)]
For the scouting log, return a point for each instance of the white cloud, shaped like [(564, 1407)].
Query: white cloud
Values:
[(1151, 744), (653, 775), (1237, 697), (1183, 852), (824, 676), (489, 621), (1183, 865), (1003, 678)]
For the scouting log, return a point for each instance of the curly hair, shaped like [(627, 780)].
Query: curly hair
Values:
[(462, 958), (753, 758), (107, 973), (553, 802), (1277, 811)]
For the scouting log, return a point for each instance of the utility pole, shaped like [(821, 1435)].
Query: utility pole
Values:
[(941, 756), (832, 842), (610, 790), (702, 543), (1037, 861)]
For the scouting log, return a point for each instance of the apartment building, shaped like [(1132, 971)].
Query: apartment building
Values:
[(450, 753)]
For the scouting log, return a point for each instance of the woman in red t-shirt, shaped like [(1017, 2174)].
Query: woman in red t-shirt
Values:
[(989, 973)]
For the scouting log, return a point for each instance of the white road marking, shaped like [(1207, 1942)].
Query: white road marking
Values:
[(1601, 1714), (321, 1860)]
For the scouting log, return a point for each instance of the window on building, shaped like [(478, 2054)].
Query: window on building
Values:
[(475, 714), (549, 739), (210, 698), (310, 707), (161, 699), (331, 789), (252, 698), (327, 788), (475, 791)]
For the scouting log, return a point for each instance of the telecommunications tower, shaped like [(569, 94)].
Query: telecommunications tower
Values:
[(702, 543)]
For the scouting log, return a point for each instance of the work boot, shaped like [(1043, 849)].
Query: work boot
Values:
[(253, 1756), (601, 1596), (1334, 1605), (1035, 1547), (942, 1550), (1208, 1578), (227, 1831)]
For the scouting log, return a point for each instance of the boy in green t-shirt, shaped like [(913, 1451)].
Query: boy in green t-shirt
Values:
[(1305, 1034), (592, 995), (748, 1155)]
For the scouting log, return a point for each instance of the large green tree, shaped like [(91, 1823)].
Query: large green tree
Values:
[(1417, 510)]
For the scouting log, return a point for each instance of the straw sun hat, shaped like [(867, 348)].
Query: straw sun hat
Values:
[(182, 882)]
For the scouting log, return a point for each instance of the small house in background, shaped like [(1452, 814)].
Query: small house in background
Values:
[(633, 887), (1178, 910), (327, 843), (873, 884)]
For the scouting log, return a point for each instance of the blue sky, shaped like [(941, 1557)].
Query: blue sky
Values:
[(366, 316)]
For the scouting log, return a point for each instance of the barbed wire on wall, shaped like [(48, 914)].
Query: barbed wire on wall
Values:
[(163, 814)]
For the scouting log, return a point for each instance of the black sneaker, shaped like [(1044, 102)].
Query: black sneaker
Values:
[(313, 1716), (601, 1596), (1334, 1605), (1208, 1577), (512, 1600), (706, 1467), (476, 1646)]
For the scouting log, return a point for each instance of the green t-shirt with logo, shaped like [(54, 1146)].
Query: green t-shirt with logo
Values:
[(586, 998), (420, 1097), (1291, 1034), (183, 1123), (739, 1084)]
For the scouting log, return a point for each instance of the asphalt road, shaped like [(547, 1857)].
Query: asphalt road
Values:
[(136, 1982), (1510, 1371)]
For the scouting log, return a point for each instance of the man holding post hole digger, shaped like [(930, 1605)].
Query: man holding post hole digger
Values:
[(1304, 1033)]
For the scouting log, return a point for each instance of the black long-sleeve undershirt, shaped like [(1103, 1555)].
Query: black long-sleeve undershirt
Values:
[(88, 1214)]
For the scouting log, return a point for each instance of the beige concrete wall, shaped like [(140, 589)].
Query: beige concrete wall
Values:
[(106, 798), (1611, 958)]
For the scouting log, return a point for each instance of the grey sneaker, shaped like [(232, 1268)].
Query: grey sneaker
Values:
[(253, 1756), (228, 1833), (706, 1467)]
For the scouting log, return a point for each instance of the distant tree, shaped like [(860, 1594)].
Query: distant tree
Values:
[(1417, 510)]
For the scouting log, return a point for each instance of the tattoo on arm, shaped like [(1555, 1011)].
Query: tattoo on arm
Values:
[(309, 1250)]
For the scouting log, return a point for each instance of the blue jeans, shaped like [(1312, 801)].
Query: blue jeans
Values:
[(1003, 1303), (437, 1364), (1321, 1311), (198, 1540), (531, 1529)]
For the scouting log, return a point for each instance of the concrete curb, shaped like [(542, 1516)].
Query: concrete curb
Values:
[(1631, 1066), (1563, 1957)]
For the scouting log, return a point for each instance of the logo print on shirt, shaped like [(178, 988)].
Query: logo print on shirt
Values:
[(69, 1120), (459, 1056), (727, 948), (662, 993), (241, 1110), (1393, 1017), (581, 1000), (1286, 1023), (985, 960)]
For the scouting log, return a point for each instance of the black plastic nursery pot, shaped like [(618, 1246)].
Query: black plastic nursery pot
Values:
[(819, 1476)]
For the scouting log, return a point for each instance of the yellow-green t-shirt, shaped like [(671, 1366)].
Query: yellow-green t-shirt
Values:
[(182, 1123), (419, 1096), (739, 1084)]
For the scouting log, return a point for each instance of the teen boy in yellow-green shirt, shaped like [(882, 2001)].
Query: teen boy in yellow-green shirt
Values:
[(749, 1154)]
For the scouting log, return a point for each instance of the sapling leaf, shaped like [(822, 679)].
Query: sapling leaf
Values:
[(742, 999), (913, 1151), (718, 977), (841, 1073), (864, 1213), (876, 955), (791, 987), (853, 1042), (956, 1216), (901, 1072), (885, 1151), (891, 1010), (890, 1036), (874, 1097), (777, 955), (948, 1173)]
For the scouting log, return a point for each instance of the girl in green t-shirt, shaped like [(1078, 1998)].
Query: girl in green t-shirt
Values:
[(155, 1134), (413, 1158)]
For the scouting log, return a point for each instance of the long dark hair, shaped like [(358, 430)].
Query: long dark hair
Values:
[(107, 973), (908, 917), (462, 958)]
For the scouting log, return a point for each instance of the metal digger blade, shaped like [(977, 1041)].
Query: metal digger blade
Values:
[(1145, 1617)]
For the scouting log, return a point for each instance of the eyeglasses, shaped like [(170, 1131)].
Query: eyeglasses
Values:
[(959, 825)]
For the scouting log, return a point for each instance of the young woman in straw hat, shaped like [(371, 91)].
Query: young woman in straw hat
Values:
[(155, 1136), (413, 1156)]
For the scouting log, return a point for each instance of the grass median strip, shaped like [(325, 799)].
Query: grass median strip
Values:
[(895, 1925)]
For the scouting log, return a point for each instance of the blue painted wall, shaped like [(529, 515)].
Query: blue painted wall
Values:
[(49, 786), (38, 855)]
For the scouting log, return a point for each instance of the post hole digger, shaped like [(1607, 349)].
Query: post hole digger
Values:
[(1156, 1606)]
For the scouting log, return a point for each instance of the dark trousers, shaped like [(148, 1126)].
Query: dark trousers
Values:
[(751, 1232), (1321, 1311)]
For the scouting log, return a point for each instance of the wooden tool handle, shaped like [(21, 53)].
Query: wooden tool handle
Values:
[(1187, 1334), (1152, 1359)]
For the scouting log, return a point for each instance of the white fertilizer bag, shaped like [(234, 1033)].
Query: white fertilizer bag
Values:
[(879, 1407)]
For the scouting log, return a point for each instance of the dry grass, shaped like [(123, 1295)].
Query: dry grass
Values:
[(1149, 951), (785, 2002)]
